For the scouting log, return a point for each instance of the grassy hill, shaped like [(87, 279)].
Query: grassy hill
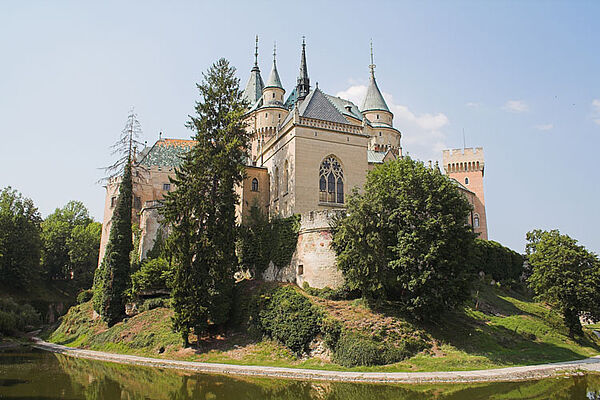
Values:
[(496, 328)]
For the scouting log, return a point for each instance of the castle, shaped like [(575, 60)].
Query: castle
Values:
[(308, 150)]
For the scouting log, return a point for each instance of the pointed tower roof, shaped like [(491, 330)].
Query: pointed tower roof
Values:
[(255, 85), (303, 86), (374, 100), (274, 80)]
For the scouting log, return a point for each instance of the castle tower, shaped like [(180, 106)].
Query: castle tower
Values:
[(303, 86), (467, 167), (255, 85), (273, 91)]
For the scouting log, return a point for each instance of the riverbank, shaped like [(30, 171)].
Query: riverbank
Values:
[(493, 375)]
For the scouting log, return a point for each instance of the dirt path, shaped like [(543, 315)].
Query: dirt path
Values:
[(490, 375)]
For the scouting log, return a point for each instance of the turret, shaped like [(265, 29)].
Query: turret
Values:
[(374, 107), (273, 91), (255, 85), (303, 86)]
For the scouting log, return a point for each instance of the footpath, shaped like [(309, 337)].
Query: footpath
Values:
[(489, 375)]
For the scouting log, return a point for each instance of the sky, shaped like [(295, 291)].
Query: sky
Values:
[(519, 78)]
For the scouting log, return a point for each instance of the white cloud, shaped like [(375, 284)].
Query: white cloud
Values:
[(596, 110), (597, 121), (516, 106), (422, 134), (472, 104), (544, 127)]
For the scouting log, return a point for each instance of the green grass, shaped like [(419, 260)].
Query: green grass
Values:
[(496, 328)]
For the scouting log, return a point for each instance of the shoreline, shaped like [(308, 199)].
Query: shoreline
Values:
[(509, 374)]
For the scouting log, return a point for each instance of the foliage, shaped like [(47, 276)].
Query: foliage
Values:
[(261, 241), (341, 293), (289, 317), (405, 238), (154, 274), (354, 349), (201, 210), (497, 261), (20, 241), (332, 330), (125, 147), (566, 275), (158, 248), (71, 241), (153, 303), (84, 296), (15, 318), (112, 278)]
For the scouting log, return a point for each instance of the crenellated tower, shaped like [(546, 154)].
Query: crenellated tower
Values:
[(467, 166)]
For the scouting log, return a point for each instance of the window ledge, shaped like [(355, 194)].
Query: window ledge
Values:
[(328, 204)]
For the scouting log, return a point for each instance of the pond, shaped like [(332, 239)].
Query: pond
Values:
[(34, 374)]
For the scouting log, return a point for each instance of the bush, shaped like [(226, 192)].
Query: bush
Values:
[(15, 317), (497, 261), (341, 293), (84, 296), (151, 304), (154, 274), (289, 317), (354, 349), (331, 329)]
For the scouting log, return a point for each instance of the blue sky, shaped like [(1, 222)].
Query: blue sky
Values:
[(521, 78)]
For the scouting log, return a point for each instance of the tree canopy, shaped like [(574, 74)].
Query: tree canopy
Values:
[(405, 238), (566, 275), (201, 209)]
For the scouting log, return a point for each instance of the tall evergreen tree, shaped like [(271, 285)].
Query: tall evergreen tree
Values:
[(201, 209), (113, 277)]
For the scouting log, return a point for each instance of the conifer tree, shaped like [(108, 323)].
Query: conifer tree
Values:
[(113, 277), (201, 209)]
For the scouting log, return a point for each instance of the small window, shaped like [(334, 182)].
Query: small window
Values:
[(466, 180), (377, 116), (476, 221), (255, 185), (266, 115), (113, 201), (379, 133), (273, 94), (166, 186), (137, 202), (300, 269)]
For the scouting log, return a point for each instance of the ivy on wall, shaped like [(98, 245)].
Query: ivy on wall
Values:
[(261, 241)]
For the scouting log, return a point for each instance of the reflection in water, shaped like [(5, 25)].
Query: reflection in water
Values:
[(40, 375)]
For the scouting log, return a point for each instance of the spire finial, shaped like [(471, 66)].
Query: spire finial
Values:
[(372, 66), (303, 86), (256, 53), (303, 41), (274, 51)]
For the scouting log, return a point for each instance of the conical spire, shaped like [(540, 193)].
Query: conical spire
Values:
[(303, 87), (255, 85), (374, 100), (274, 80)]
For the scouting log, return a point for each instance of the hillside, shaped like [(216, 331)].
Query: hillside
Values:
[(497, 328)]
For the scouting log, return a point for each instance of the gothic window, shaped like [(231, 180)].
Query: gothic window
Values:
[(466, 181), (476, 221), (255, 185), (331, 181)]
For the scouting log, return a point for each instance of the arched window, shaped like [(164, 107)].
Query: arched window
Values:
[(466, 180), (286, 177), (255, 185), (476, 221), (331, 181)]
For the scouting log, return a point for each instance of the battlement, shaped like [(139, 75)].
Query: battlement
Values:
[(463, 160)]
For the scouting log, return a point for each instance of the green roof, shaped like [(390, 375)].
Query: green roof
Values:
[(165, 153)]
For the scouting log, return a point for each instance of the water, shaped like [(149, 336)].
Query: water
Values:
[(34, 374)]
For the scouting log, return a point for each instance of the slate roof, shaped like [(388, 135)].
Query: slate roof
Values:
[(317, 106), (291, 100), (342, 104), (374, 100), (165, 153), (274, 80), (375, 157), (254, 87)]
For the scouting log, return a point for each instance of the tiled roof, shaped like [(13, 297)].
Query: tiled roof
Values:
[(254, 88), (375, 157), (317, 106), (291, 100), (342, 106), (165, 153), (374, 100)]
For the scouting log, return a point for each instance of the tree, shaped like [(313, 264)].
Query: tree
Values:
[(201, 209), (566, 275), (57, 229), (84, 246), (20, 241), (112, 279), (405, 238)]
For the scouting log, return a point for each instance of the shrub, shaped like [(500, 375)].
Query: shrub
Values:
[(331, 329), (354, 349), (15, 317), (151, 304), (497, 261), (341, 293), (153, 274), (289, 317), (84, 296)]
